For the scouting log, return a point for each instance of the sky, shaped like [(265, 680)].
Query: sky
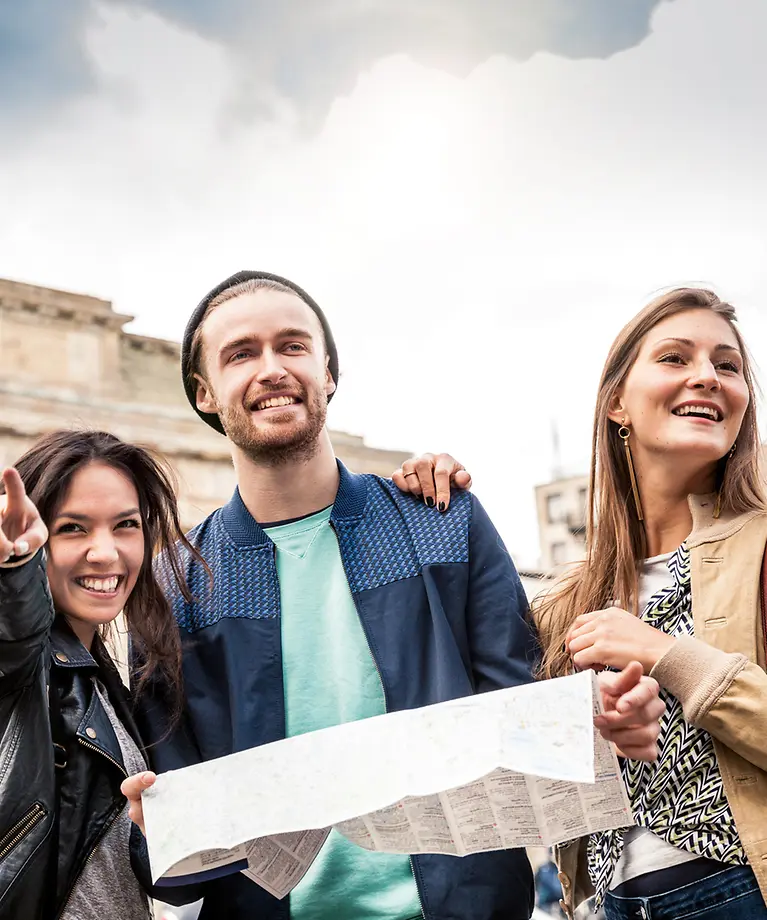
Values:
[(479, 195)]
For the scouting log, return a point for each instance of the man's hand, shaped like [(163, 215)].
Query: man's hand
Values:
[(614, 638), (431, 477), (21, 528), (131, 788), (633, 709)]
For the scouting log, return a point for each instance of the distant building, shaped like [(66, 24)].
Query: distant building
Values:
[(561, 507), (65, 361), (534, 581)]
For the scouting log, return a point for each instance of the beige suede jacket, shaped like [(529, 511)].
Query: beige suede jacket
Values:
[(719, 677)]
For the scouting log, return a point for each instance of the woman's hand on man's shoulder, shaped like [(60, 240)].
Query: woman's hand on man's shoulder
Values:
[(430, 477)]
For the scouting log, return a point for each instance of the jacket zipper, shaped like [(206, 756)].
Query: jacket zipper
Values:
[(417, 889), (385, 698), (22, 827), (764, 607), (103, 753), (106, 827)]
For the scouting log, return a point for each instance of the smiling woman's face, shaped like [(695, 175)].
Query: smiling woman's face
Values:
[(95, 549), (685, 395)]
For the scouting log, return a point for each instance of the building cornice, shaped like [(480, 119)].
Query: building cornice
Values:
[(149, 345), (26, 301)]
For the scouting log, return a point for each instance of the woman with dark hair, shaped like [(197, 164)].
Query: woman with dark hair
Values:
[(100, 508)]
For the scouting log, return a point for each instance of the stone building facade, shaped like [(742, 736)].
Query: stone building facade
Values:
[(66, 361)]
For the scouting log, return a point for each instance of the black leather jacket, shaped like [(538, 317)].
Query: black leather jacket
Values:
[(51, 818)]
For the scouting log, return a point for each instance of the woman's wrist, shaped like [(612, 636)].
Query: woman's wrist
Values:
[(14, 561), (662, 644)]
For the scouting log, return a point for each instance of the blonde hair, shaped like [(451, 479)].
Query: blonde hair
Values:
[(615, 537)]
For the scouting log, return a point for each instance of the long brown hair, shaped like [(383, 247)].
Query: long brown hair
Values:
[(47, 469), (615, 537)]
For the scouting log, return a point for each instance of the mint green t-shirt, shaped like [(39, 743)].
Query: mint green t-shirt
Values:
[(330, 678)]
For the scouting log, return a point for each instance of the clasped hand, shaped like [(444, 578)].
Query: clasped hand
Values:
[(614, 638)]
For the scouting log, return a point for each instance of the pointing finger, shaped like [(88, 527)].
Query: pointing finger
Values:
[(616, 685), (14, 492)]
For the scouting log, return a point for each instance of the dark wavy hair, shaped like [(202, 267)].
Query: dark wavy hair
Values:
[(47, 469)]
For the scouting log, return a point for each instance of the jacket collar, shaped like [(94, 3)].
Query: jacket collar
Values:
[(348, 508), (708, 529), (67, 651)]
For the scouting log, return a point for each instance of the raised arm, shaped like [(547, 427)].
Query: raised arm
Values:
[(26, 608)]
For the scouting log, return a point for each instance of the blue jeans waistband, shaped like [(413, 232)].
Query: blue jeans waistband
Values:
[(663, 880), (732, 894)]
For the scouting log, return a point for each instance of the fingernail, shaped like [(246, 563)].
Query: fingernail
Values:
[(430, 501), (441, 506), (22, 548)]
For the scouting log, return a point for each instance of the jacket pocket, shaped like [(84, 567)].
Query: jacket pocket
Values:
[(21, 828)]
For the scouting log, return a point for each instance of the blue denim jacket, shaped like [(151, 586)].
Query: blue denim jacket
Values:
[(444, 613)]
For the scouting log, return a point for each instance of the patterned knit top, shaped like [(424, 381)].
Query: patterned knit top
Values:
[(680, 797)]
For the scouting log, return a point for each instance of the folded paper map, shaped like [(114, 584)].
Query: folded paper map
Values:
[(510, 768)]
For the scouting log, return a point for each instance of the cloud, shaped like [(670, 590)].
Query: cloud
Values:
[(476, 242), (42, 58), (305, 53)]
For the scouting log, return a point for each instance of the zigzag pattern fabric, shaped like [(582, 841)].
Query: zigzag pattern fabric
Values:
[(680, 797)]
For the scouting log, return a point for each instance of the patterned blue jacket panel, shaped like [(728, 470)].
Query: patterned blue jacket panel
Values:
[(393, 539), (444, 613)]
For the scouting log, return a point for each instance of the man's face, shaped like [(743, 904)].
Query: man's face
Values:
[(266, 375)]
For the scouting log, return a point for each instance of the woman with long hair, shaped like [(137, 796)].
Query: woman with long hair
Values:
[(81, 516), (674, 576)]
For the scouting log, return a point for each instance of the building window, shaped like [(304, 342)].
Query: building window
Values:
[(558, 553), (555, 507)]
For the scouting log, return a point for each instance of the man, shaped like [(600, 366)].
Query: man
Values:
[(335, 597)]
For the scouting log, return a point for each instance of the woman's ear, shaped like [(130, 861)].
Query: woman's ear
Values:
[(616, 411)]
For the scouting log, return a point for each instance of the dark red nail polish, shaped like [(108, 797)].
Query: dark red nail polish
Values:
[(441, 506), (430, 501)]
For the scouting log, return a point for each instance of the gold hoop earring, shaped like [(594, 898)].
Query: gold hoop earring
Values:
[(718, 505), (624, 433)]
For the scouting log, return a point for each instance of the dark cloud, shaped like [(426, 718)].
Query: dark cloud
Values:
[(310, 51), (41, 55)]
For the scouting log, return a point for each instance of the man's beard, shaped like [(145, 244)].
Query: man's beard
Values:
[(278, 444)]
